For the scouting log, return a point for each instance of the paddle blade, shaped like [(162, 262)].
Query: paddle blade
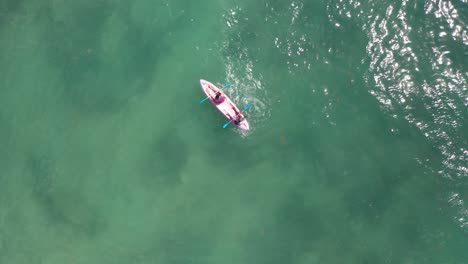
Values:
[(226, 124)]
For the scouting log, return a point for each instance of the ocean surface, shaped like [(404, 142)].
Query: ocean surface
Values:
[(358, 151)]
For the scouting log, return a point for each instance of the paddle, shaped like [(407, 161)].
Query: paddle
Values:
[(247, 107), (227, 85)]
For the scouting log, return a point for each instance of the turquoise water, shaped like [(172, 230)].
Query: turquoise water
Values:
[(358, 151)]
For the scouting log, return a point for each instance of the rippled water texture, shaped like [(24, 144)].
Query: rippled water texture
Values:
[(417, 60), (415, 65)]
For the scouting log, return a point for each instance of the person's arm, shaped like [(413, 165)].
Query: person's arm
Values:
[(235, 111)]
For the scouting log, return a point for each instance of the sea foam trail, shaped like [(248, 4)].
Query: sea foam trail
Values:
[(240, 71)]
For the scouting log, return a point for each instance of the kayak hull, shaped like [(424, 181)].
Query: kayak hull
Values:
[(227, 107)]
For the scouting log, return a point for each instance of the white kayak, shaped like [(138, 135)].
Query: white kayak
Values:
[(226, 107)]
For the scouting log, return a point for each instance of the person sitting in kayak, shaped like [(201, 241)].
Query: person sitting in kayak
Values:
[(237, 120), (219, 98), (238, 117)]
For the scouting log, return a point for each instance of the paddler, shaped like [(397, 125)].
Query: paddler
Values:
[(237, 120), (219, 98), (238, 117)]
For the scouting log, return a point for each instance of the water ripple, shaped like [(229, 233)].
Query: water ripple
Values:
[(401, 51), (240, 69), (444, 9)]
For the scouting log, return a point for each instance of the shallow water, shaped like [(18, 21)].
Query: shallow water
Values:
[(358, 152)]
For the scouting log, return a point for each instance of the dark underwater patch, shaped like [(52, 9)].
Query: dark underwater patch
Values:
[(9, 8), (232, 153), (63, 206), (90, 84), (164, 161)]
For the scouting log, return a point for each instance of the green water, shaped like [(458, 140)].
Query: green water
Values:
[(358, 151)]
